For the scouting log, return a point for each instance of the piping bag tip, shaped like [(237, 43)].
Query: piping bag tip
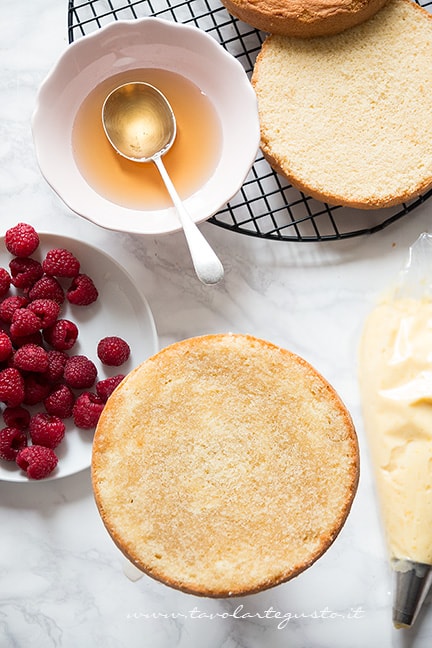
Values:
[(413, 580)]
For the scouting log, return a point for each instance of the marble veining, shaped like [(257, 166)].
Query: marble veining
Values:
[(62, 582)]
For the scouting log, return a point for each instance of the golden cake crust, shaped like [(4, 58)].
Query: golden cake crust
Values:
[(224, 465), (303, 18)]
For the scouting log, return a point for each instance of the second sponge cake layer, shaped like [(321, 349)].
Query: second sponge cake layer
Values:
[(347, 118)]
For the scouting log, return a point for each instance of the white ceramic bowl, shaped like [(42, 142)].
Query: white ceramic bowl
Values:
[(145, 43)]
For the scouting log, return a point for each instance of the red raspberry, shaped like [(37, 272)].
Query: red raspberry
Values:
[(37, 461), (11, 387), (12, 440), (82, 291), (31, 357), (16, 417), (19, 340), (46, 430), (79, 372), (46, 309), (25, 272), (5, 346), (60, 402), (36, 388), (5, 281), (104, 388), (87, 410), (61, 335), (24, 322), (61, 263), (47, 288), (113, 351), (9, 305), (56, 365), (21, 240)]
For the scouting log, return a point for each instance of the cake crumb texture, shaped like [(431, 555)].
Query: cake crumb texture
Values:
[(346, 118)]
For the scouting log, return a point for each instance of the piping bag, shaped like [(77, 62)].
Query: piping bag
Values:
[(395, 377)]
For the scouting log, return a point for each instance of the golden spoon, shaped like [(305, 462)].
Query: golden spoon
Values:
[(140, 124)]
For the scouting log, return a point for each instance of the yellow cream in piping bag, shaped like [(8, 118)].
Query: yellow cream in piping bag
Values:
[(395, 372)]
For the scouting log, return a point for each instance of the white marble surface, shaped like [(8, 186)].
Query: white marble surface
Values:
[(61, 578)]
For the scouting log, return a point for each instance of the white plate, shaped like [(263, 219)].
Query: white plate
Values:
[(122, 310)]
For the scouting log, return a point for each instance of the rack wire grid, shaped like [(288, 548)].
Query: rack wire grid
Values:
[(266, 206)]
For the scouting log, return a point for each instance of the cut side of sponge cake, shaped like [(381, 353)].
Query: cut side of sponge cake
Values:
[(346, 118), (224, 465)]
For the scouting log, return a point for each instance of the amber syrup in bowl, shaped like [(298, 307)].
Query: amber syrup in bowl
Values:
[(137, 185)]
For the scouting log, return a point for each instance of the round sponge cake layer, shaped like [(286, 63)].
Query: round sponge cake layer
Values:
[(347, 118), (303, 18), (224, 465)]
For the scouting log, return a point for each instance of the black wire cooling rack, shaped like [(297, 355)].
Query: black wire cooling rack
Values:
[(266, 206)]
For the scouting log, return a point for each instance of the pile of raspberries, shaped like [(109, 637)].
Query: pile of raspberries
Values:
[(38, 369)]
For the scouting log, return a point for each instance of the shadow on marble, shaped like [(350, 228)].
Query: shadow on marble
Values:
[(42, 495)]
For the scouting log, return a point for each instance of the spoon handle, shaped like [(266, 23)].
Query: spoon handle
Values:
[(207, 266)]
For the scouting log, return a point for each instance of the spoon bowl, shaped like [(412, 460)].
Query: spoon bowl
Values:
[(141, 126), (139, 121)]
